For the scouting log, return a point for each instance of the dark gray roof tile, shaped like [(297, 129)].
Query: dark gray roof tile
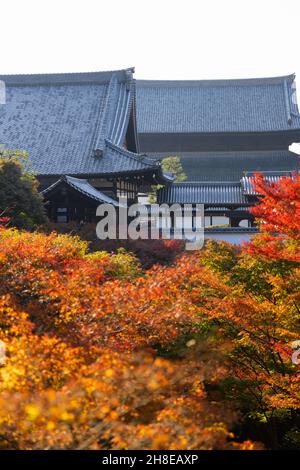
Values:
[(84, 187), (59, 119), (202, 193), (231, 166), (210, 106)]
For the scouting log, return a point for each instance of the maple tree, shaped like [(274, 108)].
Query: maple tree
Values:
[(101, 353), (82, 370), (279, 218), (260, 314)]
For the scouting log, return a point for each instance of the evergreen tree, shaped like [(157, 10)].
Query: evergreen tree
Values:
[(171, 165), (20, 200)]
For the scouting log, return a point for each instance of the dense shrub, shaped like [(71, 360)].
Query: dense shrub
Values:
[(148, 252)]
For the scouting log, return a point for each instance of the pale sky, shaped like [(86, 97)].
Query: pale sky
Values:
[(163, 39)]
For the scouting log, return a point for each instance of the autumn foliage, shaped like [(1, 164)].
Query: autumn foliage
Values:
[(278, 214), (81, 369), (103, 354)]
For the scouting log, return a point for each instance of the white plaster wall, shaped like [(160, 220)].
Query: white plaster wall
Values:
[(216, 220)]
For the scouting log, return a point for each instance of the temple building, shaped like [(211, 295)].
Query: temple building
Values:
[(92, 137), (223, 131), (79, 131)]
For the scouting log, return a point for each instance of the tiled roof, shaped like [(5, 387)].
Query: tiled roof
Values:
[(218, 209), (226, 209), (202, 193), (231, 230), (231, 166), (209, 106), (271, 177), (60, 119), (120, 160), (83, 187), (113, 161)]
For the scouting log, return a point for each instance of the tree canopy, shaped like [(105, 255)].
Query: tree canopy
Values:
[(102, 354), (173, 165), (20, 201)]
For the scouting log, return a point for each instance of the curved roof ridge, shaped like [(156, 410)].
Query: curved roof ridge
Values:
[(123, 105), (84, 187), (67, 77), (99, 135), (143, 158), (219, 82), (73, 178)]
